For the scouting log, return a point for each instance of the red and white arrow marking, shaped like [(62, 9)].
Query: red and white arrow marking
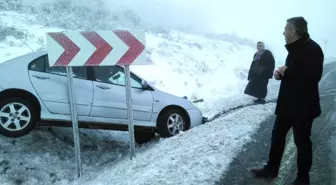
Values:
[(96, 48), (135, 47), (61, 43), (117, 52), (86, 48), (102, 48)]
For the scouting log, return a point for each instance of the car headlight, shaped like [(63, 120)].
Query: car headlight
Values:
[(194, 102)]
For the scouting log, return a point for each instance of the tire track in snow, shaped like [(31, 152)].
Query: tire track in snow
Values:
[(233, 109)]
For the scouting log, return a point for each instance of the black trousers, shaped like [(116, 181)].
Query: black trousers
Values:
[(301, 131)]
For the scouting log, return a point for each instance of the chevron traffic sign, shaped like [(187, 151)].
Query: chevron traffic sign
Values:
[(96, 48)]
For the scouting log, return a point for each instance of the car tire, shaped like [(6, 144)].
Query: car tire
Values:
[(14, 113), (143, 136), (176, 119)]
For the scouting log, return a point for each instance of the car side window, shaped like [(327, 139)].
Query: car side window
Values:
[(37, 65), (79, 72), (41, 64), (56, 70), (115, 75)]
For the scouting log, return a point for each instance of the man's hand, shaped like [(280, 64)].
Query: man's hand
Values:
[(282, 70), (277, 74)]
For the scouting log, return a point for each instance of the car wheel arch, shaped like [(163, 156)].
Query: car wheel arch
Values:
[(172, 107), (12, 93)]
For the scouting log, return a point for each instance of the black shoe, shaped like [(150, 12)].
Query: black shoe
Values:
[(299, 182), (264, 173), (260, 101)]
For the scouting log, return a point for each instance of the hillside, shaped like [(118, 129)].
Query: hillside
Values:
[(184, 62)]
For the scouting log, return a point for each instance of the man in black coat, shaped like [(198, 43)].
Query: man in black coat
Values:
[(298, 102), (261, 70)]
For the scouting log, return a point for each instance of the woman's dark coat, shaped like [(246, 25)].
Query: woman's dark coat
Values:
[(261, 70)]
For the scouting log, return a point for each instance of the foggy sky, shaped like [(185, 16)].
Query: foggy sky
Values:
[(266, 19), (254, 19)]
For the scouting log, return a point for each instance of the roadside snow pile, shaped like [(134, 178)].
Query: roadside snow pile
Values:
[(198, 156), (46, 157)]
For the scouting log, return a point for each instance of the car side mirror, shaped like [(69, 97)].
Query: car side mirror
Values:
[(116, 77), (144, 84)]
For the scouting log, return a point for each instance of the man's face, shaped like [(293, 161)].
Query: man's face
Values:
[(260, 47), (289, 34)]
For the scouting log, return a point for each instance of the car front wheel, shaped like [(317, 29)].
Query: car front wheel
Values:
[(17, 117), (172, 122)]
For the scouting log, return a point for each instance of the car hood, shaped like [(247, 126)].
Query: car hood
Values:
[(170, 99)]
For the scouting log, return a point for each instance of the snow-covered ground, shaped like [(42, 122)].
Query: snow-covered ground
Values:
[(197, 157), (182, 64)]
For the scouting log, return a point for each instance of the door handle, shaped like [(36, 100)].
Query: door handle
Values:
[(103, 87), (41, 77)]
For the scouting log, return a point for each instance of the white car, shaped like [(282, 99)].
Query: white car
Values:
[(32, 92)]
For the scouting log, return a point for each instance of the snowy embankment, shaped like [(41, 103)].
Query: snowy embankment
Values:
[(183, 64), (199, 156)]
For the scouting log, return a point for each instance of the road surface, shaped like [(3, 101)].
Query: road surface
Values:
[(324, 146)]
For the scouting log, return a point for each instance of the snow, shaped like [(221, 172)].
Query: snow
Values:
[(183, 64), (198, 156), (200, 69), (44, 157)]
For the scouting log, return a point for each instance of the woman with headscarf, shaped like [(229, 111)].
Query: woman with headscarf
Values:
[(261, 70)]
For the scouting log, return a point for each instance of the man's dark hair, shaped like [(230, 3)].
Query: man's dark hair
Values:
[(262, 43), (299, 24)]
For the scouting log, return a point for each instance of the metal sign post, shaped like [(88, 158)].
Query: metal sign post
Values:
[(129, 110), (73, 111)]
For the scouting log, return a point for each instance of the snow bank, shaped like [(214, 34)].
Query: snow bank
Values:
[(198, 156)]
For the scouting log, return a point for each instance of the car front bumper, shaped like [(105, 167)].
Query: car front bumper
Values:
[(196, 118)]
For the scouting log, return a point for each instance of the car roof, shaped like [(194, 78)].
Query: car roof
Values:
[(24, 59), (34, 55)]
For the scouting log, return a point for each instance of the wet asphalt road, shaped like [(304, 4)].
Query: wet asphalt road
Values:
[(324, 146)]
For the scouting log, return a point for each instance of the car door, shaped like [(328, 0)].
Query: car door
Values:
[(109, 98), (51, 85)]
